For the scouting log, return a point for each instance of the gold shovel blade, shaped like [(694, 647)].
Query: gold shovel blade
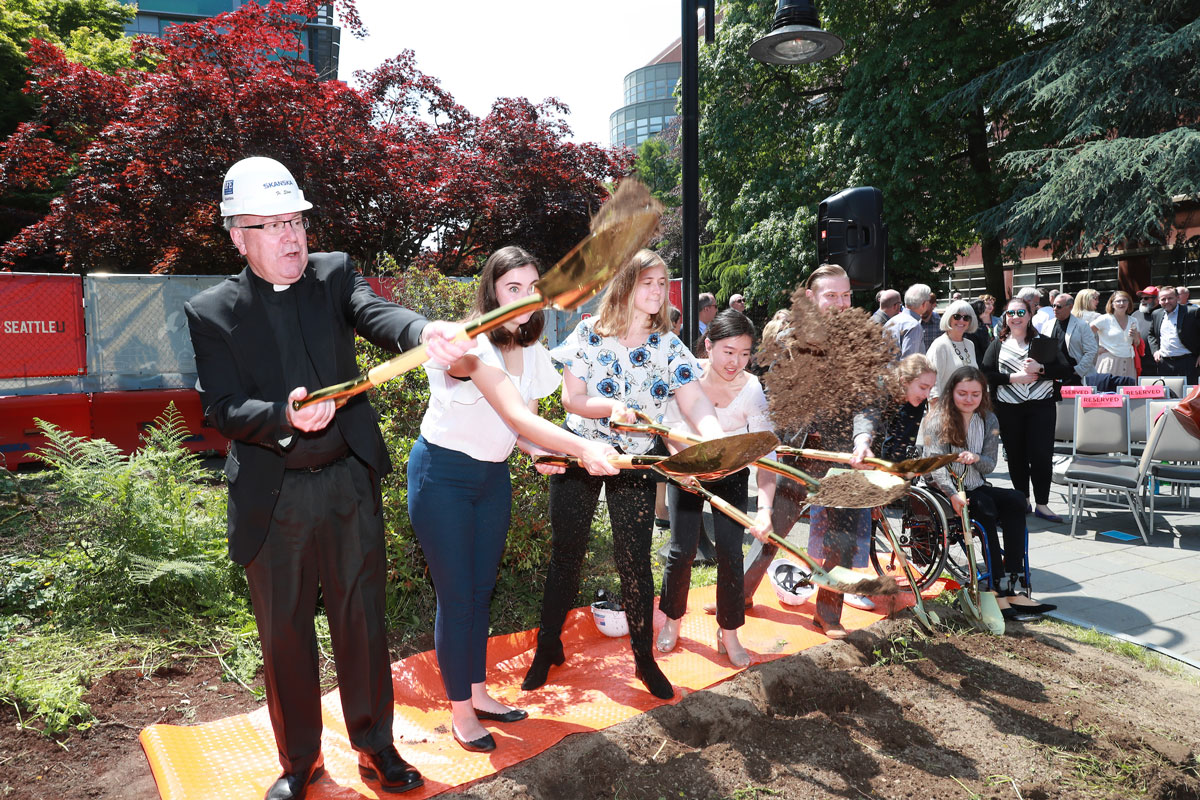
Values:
[(716, 458), (922, 466)]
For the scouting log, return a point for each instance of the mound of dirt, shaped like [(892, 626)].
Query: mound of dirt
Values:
[(887, 713)]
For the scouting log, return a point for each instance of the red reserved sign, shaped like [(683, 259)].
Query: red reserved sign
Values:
[(1101, 401), (1159, 391), (41, 325), (1076, 391)]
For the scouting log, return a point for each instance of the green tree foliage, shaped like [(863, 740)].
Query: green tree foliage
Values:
[(657, 166), (1116, 87), (90, 32), (775, 141)]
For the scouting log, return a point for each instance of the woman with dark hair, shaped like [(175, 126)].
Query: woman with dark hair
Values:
[(963, 423), (459, 494), (741, 407), (624, 359), (1024, 393)]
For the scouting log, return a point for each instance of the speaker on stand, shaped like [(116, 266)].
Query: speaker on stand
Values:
[(851, 234)]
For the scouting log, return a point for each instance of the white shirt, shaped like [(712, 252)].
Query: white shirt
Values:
[(459, 418), (1041, 315), (1113, 338), (1169, 342)]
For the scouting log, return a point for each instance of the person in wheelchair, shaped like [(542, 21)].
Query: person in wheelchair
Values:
[(967, 426)]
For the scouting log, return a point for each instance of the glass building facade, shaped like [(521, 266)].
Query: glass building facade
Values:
[(649, 104), (321, 37)]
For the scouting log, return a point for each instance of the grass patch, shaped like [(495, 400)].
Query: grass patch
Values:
[(1122, 647)]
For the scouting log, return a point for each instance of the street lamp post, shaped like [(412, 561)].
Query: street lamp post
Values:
[(690, 157), (795, 38)]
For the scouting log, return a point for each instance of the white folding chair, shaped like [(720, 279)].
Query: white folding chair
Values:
[(1116, 477), (1176, 383), (1180, 451)]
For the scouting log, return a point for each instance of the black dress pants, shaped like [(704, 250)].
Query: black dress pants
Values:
[(687, 524), (1027, 431), (326, 533), (995, 506), (574, 495)]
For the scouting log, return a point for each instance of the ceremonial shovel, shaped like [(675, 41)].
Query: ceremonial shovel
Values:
[(981, 607), (705, 461), (908, 468), (622, 227), (838, 579), (927, 616), (850, 489)]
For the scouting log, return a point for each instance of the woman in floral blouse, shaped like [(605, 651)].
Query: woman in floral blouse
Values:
[(625, 360)]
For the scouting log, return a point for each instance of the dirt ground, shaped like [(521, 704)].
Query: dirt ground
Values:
[(887, 713)]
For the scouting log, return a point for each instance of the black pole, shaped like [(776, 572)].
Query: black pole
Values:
[(690, 185)]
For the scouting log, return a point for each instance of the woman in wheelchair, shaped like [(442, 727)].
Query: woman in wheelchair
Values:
[(967, 426)]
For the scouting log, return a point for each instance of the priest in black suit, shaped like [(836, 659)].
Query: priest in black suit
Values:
[(304, 491)]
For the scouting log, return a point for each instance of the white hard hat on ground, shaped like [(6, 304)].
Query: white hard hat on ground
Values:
[(610, 619), (792, 583), (260, 186)]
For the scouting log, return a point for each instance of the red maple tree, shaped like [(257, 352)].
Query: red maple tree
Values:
[(396, 166)]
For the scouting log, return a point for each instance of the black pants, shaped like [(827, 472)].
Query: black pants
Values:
[(573, 498), (790, 498), (1184, 366), (992, 507), (1027, 431), (686, 526), (326, 533)]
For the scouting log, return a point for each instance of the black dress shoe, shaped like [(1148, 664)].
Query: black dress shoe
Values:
[(294, 785), (393, 773), (512, 715), (484, 744)]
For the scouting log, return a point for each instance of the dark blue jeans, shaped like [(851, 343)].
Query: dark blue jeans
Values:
[(460, 511), (686, 525)]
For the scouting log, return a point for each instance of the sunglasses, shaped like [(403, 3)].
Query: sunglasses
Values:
[(961, 317), (1015, 312)]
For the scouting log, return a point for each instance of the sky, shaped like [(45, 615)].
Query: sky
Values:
[(579, 52)]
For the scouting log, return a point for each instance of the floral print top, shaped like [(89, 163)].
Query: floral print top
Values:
[(642, 377)]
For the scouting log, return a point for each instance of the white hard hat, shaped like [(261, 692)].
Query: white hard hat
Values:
[(260, 186), (792, 582), (610, 619)]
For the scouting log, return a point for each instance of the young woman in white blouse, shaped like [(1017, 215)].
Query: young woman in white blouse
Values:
[(459, 494), (624, 359), (1118, 335), (741, 407)]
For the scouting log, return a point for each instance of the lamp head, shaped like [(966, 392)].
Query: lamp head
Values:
[(796, 37)]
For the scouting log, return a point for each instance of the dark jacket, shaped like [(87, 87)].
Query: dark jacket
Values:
[(1056, 370), (242, 387), (1189, 330)]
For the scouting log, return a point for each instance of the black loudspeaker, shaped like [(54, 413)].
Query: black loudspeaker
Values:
[(851, 234)]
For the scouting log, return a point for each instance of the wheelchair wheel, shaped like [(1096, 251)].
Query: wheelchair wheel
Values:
[(919, 523), (956, 552)]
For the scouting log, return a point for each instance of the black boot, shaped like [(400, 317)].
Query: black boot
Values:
[(548, 654), (656, 682)]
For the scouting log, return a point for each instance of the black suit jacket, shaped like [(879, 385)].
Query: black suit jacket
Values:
[(242, 385), (1189, 330)]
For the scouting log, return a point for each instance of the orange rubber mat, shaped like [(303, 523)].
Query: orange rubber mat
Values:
[(235, 758)]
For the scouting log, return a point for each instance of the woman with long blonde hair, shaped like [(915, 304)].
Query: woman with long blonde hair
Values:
[(1085, 305), (624, 360)]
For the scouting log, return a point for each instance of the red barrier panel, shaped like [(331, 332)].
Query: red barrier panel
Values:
[(122, 417), (19, 435), (387, 288), (41, 325)]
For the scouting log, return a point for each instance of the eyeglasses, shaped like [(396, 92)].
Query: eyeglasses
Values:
[(1062, 305), (961, 317), (277, 228), (1015, 312)]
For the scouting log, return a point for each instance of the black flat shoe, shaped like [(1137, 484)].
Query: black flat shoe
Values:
[(539, 670), (512, 715), (294, 785), (654, 679), (1040, 608), (484, 744), (392, 772)]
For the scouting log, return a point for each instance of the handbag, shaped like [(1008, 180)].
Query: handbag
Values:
[(1188, 412)]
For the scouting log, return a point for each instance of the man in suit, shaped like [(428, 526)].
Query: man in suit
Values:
[(1174, 337), (905, 327), (304, 493), (889, 305), (1074, 336)]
